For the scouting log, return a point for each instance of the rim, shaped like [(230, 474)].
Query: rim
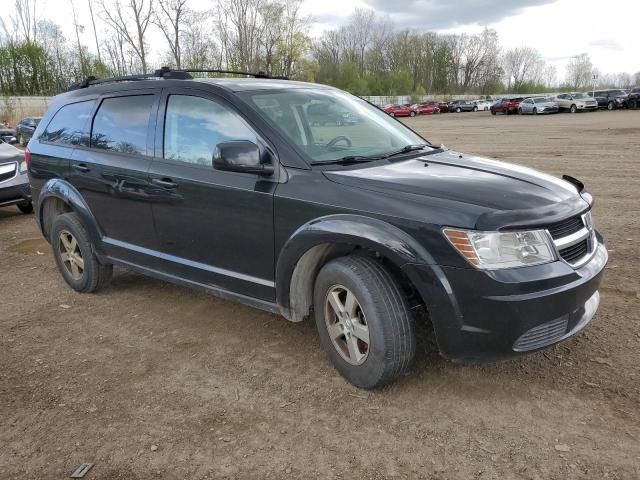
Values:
[(347, 325), (70, 255)]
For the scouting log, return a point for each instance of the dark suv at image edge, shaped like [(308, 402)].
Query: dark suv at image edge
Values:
[(226, 185)]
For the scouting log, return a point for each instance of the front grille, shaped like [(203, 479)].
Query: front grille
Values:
[(542, 335), (565, 227), (7, 172), (575, 252)]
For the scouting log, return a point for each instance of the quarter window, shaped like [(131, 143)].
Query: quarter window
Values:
[(121, 124), (69, 126), (195, 125)]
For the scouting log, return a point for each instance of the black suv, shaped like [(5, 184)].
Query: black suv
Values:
[(25, 129), (610, 99), (462, 106), (226, 185), (633, 99)]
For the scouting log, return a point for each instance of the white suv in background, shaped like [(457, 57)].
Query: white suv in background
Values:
[(574, 102)]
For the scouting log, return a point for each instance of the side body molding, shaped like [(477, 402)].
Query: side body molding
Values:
[(305, 250), (64, 191)]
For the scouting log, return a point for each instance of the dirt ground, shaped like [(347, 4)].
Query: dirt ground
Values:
[(151, 380)]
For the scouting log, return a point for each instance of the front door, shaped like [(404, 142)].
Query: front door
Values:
[(213, 227)]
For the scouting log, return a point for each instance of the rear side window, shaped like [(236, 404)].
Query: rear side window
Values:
[(69, 126), (193, 127), (121, 124)]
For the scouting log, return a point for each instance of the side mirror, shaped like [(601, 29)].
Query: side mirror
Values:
[(242, 156)]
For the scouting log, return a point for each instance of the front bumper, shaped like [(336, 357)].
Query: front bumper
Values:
[(491, 315), (15, 190)]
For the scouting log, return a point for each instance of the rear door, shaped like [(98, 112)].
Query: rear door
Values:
[(214, 227), (110, 170)]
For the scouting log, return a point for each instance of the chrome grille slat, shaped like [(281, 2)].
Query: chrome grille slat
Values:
[(574, 239)]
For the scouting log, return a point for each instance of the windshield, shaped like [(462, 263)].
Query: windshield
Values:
[(329, 125), (543, 100), (580, 95)]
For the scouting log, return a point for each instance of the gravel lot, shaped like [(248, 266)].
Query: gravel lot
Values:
[(147, 379)]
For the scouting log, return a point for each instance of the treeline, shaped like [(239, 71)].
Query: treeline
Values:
[(366, 56)]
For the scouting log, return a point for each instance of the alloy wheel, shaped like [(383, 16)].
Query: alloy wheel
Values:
[(347, 325), (70, 255)]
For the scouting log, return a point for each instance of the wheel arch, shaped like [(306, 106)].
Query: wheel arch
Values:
[(58, 196), (321, 240)]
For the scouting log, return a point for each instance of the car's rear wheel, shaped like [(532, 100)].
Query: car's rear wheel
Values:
[(25, 208), (535, 111), (633, 104), (519, 111), (392, 114), (363, 320), (573, 109), (458, 110), (610, 106), (493, 112), (21, 140), (475, 109), (412, 114), (74, 255)]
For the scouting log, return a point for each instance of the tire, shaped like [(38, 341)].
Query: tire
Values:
[(25, 208), (88, 276), (633, 104), (21, 141), (573, 109), (412, 114), (535, 111), (379, 306), (475, 109), (610, 106), (493, 112), (519, 111), (392, 114), (458, 110)]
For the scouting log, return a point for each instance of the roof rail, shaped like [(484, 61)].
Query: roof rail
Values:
[(165, 73)]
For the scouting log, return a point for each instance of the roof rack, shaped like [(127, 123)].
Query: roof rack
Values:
[(165, 73)]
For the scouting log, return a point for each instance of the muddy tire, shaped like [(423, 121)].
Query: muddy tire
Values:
[(364, 322), (74, 255)]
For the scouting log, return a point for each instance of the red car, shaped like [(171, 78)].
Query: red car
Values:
[(506, 106), (399, 111), (425, 108)]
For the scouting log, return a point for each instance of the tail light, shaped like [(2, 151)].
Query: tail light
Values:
[(27, 156)]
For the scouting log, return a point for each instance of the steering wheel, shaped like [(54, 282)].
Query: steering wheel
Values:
[(340, 138)]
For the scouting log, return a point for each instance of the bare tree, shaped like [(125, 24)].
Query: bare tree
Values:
[(117, 16), (579, 70), (25, 20), (521, 65), (95, 32), (78, 29), (169, 18)]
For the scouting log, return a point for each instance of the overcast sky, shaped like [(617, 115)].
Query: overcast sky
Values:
[(559, 29)]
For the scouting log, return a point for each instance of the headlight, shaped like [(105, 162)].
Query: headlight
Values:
[(23, 166), (497, 250)]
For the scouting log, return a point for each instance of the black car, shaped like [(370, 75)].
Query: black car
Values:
[(610, 99), (7, 134), (225, 185), (633, 99), (462, 106), (25, 129)]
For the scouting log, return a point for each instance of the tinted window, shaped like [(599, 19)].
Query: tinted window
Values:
[(194, 126), (69, 126), (121, 123)]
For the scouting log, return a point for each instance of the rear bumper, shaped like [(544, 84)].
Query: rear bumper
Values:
[(486, 316)]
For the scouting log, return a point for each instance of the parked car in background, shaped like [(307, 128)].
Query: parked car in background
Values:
[(633, 99), (576, 102), (14, 181), (610, 99), (25, 129), (7, 134), (483, 105), (506, 106), (462, 106), (425, 108), (399, 111), (536, 105)]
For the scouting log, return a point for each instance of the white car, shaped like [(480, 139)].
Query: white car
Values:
[(574, 102), (483, 105)]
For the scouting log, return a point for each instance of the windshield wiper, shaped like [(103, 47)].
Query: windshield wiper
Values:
[(405, 149), (349, 159)]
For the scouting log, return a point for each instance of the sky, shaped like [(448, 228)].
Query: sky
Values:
[(559, 29)]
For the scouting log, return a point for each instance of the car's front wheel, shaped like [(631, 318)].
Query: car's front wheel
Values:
[(363, 320), (610, 106), (458, 110), (573, 109), (412, 114), (74, 255)]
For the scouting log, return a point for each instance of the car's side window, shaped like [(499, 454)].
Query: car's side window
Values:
[(69, 125), (121, 124), (193, 126)]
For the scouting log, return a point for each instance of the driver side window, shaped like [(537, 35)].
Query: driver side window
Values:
[(195, 125)]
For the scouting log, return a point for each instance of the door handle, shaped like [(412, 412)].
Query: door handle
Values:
[(164, 182), (81, 167)]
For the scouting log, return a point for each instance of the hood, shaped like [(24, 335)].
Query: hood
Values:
[(510, 196), (9, 153)]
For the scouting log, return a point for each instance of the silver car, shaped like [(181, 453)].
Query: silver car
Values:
[(576, 102), (14, 182), (536, 105)]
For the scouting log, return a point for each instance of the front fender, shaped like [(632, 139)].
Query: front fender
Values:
[(351, 230), (64, 191)]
